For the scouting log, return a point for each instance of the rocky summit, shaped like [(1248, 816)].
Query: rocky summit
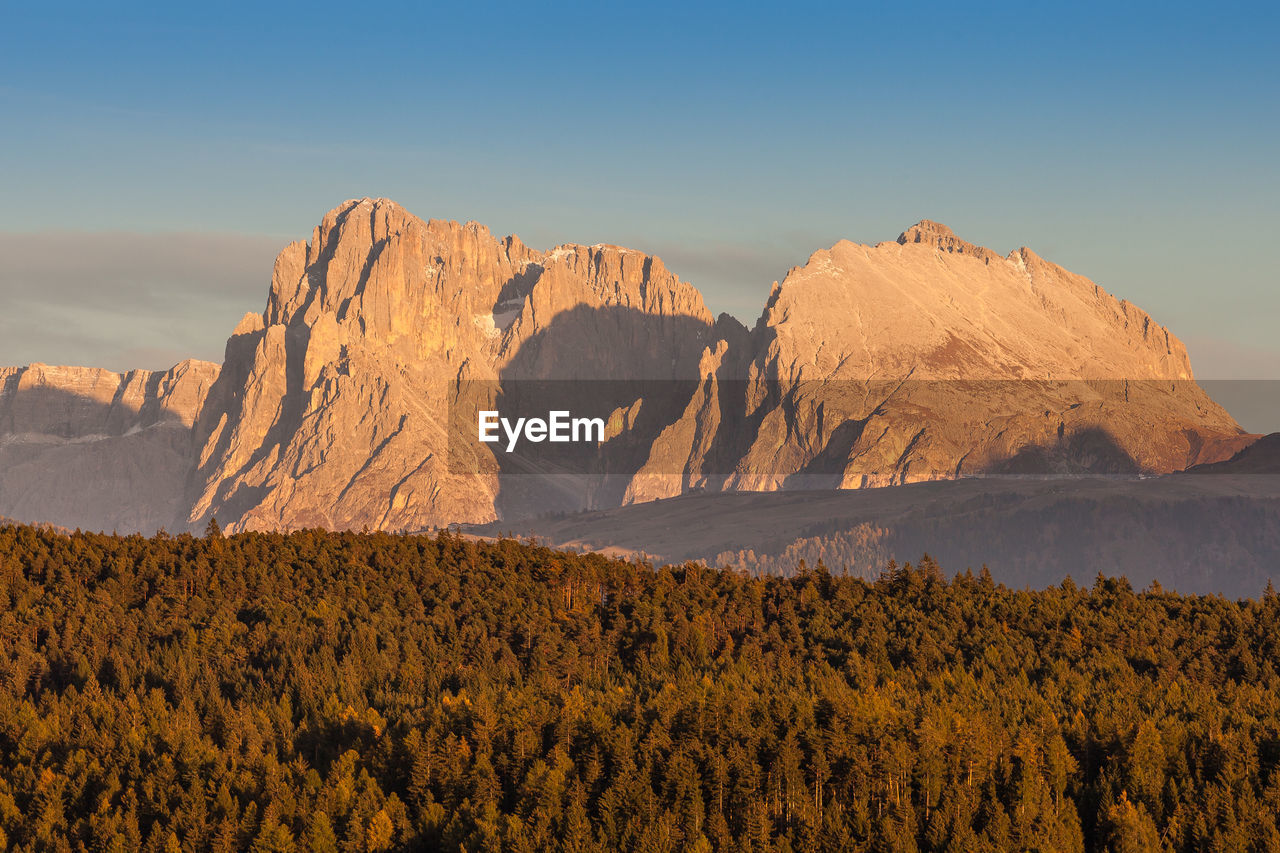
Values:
[(922, 359)]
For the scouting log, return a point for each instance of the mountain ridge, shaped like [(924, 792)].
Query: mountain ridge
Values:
[(863, 369)]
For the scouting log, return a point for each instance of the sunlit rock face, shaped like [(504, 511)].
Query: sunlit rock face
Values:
[(925, 358), (333, 409), (930, 358)]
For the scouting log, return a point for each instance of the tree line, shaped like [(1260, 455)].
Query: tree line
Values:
[(367, 692)]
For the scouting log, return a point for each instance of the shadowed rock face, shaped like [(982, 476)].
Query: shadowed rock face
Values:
[(84, 447), (332, 409), (928, 358)]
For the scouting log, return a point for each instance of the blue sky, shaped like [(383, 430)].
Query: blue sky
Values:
[(153, 158)]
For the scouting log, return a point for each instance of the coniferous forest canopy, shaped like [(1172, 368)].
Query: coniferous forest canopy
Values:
[(367, 692)]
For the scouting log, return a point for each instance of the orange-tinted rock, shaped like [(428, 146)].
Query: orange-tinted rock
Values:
[(925, 358), (335, 412)]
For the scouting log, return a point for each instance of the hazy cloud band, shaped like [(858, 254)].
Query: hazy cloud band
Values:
[(125, 299)]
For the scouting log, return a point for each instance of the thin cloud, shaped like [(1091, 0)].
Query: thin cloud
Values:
[(103, 298)]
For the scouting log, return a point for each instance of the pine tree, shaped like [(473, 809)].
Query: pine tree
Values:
[(320, 836), (273, 838), (1131, 829), (380, 832)]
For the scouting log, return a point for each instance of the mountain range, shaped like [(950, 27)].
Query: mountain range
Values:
[(926, 358)]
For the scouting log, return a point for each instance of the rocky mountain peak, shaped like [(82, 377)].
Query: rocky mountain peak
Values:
[(332, 406), (942, 238), (925, 230)]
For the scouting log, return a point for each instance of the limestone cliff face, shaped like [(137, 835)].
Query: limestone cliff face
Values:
[(925, 358), (931, 358), (938, 308), (332, 409), (84, 447)]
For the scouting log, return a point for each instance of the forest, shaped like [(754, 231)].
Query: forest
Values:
[(320, 691)]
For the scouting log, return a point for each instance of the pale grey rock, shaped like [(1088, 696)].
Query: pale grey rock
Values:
[(922, 359), (88, 448)]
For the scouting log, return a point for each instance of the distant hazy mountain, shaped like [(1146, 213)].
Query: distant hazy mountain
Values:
[(1211, 534), (84, 447), (922, 359)]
